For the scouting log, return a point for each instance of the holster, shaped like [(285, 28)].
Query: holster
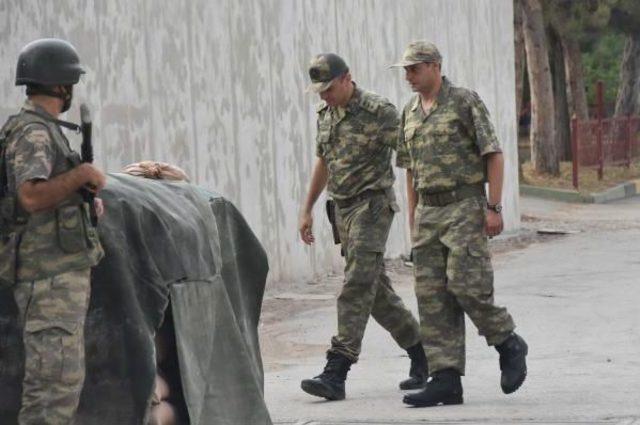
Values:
[(331, 214)]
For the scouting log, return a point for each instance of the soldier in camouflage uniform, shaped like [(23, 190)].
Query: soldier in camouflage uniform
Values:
[(357, 131), (449, 148), (55, 243)]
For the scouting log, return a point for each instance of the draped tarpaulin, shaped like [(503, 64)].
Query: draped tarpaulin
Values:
[(164, 241)]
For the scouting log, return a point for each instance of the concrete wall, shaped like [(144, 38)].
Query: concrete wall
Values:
[(217, 87)]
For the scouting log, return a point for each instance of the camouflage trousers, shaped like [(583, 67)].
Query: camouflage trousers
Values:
[(52, 314), (364, 228), (453, 276)]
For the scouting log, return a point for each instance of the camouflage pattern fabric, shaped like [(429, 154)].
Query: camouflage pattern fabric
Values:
[(452, 264), (56, 250), (444, 149), (324, 69), (364, 228), (453, 276), (52, 313), (55, 241), (419, 51), (356, 143)]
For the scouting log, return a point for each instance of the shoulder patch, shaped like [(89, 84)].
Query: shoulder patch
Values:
[(370, 104)]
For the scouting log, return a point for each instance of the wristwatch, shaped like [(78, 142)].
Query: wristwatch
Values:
[(495, 207)]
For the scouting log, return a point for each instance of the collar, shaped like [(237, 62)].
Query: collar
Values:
[(32, 107), (352, 105), (354, 102), (443, 95), (445, 89)]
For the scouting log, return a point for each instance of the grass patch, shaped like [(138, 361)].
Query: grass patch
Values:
[(588, 177)]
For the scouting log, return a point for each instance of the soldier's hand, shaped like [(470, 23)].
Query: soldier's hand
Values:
[(95, 179), (99, 206), (305, 226), (493, 224)]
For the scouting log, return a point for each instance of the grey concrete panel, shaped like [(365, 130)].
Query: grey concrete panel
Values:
[(217, 88)]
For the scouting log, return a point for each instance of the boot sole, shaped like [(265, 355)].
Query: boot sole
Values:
[(319, 390), (452, 400), (520, 381)]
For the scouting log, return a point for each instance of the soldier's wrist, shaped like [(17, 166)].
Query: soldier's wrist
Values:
[(497, 207)]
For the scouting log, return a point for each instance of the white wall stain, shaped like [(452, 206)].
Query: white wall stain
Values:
[(217, 87)]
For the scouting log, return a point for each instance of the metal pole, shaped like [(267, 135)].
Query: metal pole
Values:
[(600, 102), (628, 140), (574, 151)]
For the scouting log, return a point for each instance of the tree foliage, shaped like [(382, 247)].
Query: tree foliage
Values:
[(602, 62)]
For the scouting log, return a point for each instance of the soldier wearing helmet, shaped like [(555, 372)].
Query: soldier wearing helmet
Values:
[(48, 244)]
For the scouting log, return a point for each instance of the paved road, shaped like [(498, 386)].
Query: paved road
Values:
[(575, 298)]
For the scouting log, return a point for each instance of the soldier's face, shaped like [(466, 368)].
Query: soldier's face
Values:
[(337, 94), (422, 77)]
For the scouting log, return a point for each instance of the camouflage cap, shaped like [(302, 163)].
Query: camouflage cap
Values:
[(324, 69), (418, 52)]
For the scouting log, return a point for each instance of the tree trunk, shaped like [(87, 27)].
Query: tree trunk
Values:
[(563, 125), (628, 101), (576, 92), (520, 55), (544, 154)]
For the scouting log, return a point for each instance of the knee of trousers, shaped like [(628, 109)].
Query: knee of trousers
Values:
[(429, 270), (54, 353), (469, 272), (363, 267)]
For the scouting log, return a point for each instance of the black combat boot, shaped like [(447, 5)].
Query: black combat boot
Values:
[(512, 362), (419, 370), (444, 387), (330, 383)]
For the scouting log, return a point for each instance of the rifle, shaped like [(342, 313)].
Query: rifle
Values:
[(86, 154)]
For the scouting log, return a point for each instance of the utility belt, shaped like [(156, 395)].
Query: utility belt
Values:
[(441, 199), (369, 193), (346, 203)]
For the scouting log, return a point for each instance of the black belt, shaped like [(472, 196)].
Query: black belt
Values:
[(369, 193), (440, 199)]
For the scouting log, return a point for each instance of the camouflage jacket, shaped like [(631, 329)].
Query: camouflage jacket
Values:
[(56, 241), (357, 142), (444, 148)]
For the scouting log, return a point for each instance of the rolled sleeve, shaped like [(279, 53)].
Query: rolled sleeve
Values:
[(34, 155), (403, 158), (485, 135)]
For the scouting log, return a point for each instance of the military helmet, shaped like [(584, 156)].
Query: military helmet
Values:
[(48, 62)]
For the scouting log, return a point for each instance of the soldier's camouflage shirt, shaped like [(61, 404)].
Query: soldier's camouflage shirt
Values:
[(52, 241), (34, 156), (357, 142), (444, 148)]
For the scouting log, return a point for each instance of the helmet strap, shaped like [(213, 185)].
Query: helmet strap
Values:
[(66, 95)]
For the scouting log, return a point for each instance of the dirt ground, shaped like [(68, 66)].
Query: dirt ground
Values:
[(588, 177)]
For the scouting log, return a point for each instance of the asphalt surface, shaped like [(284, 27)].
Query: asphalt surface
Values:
[(575, 298)]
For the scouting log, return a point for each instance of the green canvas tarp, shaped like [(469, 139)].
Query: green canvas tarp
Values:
[(166, 244)]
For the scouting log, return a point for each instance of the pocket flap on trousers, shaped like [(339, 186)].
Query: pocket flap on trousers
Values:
[(40, 325)]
